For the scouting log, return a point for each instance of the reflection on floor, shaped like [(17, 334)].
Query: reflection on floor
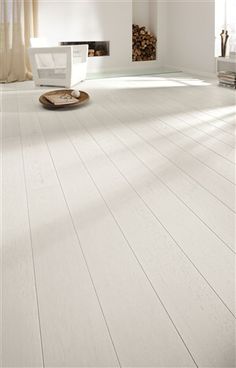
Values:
[(118, 232)]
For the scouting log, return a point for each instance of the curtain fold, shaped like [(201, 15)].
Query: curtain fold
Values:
[(19, 21)]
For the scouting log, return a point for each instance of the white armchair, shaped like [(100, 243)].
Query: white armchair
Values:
[(62, 66)]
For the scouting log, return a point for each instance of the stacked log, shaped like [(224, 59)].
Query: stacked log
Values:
[(144, 44), (91, 52), (98, 52)]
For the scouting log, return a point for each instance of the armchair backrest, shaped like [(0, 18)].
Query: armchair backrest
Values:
[(57, 65), (42, 61)]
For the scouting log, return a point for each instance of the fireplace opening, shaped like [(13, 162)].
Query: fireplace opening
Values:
[(96, 48)]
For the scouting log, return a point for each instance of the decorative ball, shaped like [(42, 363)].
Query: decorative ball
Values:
[(75, 93)]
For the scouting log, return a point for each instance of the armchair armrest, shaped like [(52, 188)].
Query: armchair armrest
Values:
[(80, 52), (50, 63)]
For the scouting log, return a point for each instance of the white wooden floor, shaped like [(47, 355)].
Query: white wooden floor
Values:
[(118, 226)]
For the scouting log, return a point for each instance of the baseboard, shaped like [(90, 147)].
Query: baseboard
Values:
[(113, 73), (122, 72), (199, 73)]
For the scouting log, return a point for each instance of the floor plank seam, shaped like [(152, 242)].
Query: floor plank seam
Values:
[(119, 232), (177, 196), (201, 130), (205, 145), (198, 143), (80, 244), (202, 144), (157, 219), (131, 249), (31, 242), (202, 112), (190, 154), (211, 124), (170, 113), (173, 163)]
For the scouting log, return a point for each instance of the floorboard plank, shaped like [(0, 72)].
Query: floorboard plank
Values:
[(144, 233), (117, 230), (21, 346), (206, 264), (196, 198), (74, 331), (138, 322)]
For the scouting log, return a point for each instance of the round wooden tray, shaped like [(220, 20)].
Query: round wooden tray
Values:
[(84, 97)]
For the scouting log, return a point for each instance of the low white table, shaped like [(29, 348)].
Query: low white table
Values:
[(225, 63)]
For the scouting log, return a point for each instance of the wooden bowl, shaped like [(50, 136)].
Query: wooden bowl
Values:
[(84, 97)]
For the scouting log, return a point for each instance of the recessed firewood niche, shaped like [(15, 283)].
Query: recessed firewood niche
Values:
[(144, 30), (143, 44), (144, 34)]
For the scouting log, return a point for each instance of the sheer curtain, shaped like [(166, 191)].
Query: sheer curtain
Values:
[(18, 23), (225, 18)]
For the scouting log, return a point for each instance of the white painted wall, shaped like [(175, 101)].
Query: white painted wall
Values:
[(145, 14), (141, 14), (94, 20), (184, 29), (77, 20), (190, 35), (225, 19)]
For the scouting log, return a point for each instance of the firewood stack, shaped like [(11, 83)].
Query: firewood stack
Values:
[(144, 44)]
